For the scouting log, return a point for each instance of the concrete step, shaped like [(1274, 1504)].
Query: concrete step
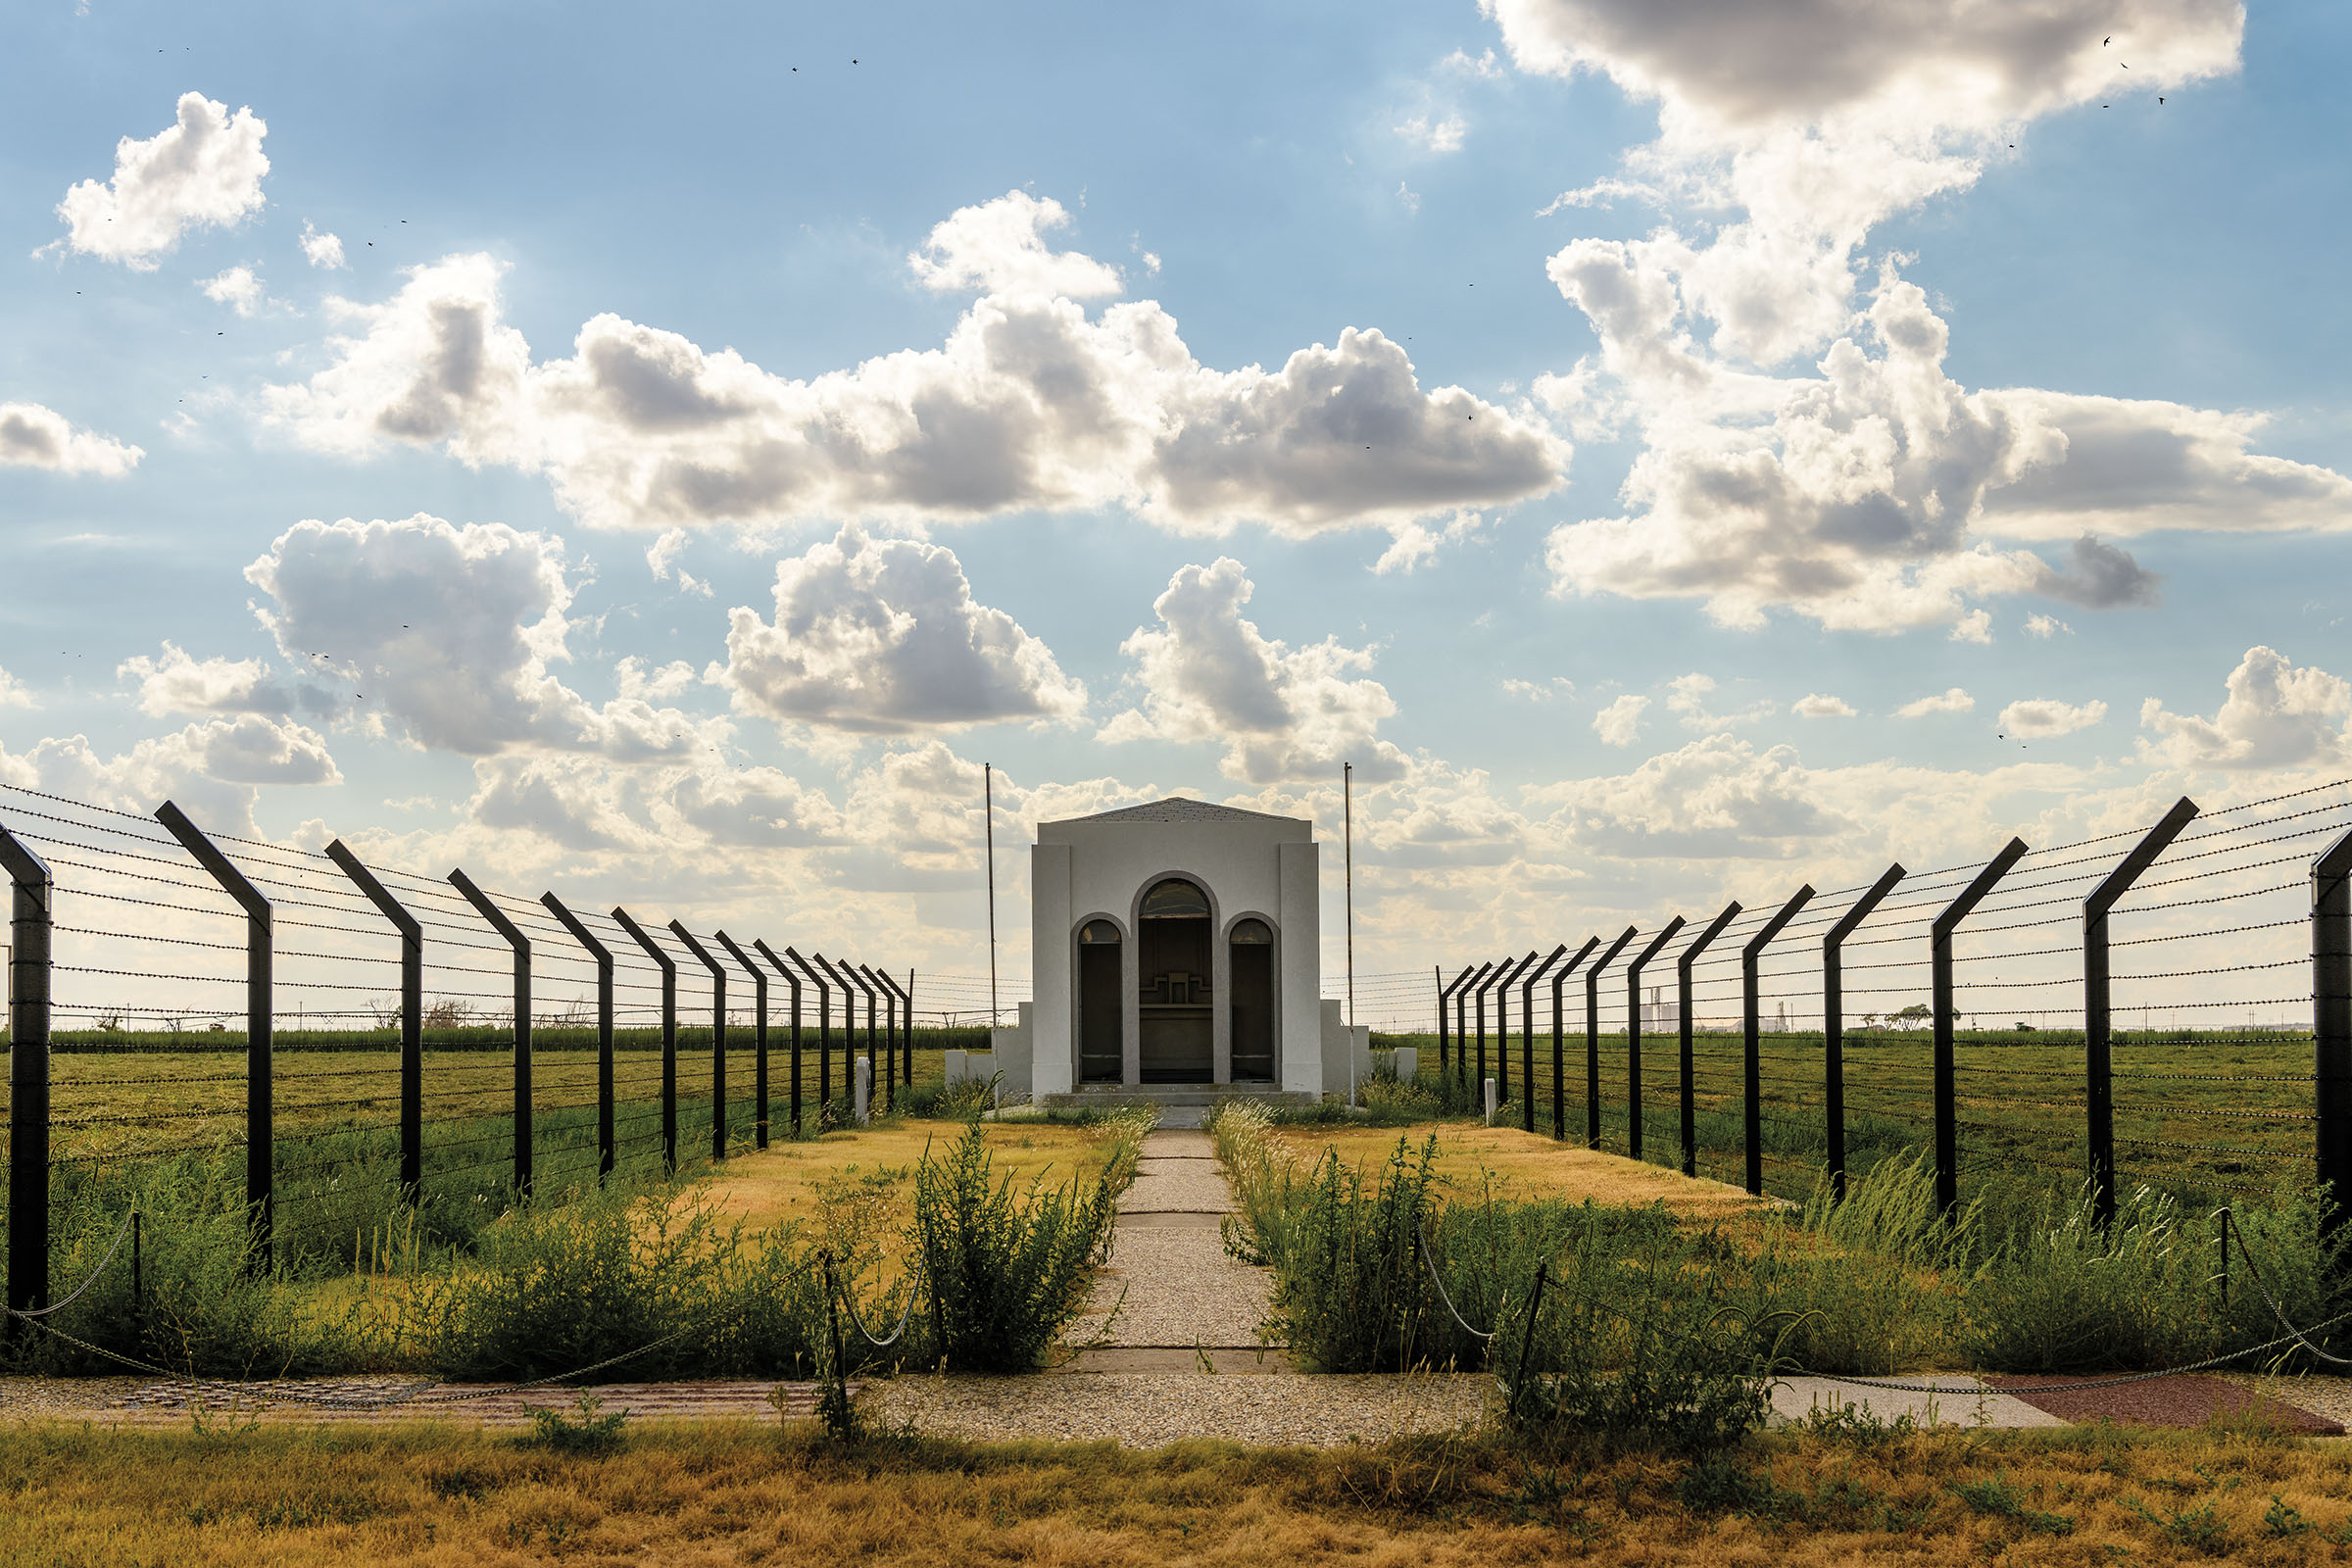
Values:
[(1108, 1095)]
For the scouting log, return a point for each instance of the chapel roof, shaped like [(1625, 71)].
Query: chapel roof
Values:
[(1178, 809)]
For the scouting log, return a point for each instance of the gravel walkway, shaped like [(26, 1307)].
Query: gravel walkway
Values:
[(1169, 1277)]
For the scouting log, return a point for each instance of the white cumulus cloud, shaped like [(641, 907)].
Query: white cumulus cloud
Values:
[(1686, 699), (237, 288), (176, 683), (883, 636), (34, 437), (13, 693), (322, 249), (1821, 705), (205, 169), (999, 246), (1620, 722), (2036, 717), (1031, 404), (2276, 714), (1868, 493), (446, 635), (1209, 674), (1952, 700)]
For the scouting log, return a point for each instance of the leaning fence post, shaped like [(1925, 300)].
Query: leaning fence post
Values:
[(1682, 1009), (905, 1009), (1559, 1064), (2332, 1022), (718, 1039), (1445, 1064), (605, 1152), (759, 1039), (886, 1075), (909, 994), (1940, 1003), (1526, 1036), (862, 978), (2097, 1012), (31, 918), (760, 946), (1633, 1035), (1751, 1005), (1494, 972), (521, 946), (819, 974), (261, 1134), (669, 1032), (1833, 1021), (1592, 1036), (1503, 1024), (411, 1017), (1461, 1022)]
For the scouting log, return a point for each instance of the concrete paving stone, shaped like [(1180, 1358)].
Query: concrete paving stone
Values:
[(1963, 1402), (1178, 1289), (1174, 1362), (1171, 1143), (1203, 1194)]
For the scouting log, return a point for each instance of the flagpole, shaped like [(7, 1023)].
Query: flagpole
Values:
[(1347, 840), (988, 799)]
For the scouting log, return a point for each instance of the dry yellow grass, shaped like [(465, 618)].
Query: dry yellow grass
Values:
[(789, 1182), (1521, 1164), (688, 1495)]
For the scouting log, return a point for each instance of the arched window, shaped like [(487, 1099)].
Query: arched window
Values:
[(1175, 899), (1098, 933), (1253, 933)]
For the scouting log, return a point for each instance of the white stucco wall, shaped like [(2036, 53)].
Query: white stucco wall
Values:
[(1249, 865)]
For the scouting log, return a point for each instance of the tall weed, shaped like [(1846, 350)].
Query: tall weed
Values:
[(1006, 1273)]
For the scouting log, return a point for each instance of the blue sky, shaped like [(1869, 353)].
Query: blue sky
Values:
[(1561, 623)]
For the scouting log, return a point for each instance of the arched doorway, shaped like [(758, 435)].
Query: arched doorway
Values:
[(1100, 1060), (1252, 990), (1176, 1037)]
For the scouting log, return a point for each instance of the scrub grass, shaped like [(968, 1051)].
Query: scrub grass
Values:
[(1876, 1285), (726, 1493), (676, 1266)]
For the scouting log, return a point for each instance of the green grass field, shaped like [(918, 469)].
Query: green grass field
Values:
[(128, 1110), (2208, 1115)]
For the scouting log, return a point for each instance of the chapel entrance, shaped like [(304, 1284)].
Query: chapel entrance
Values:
[(1176, 1037)]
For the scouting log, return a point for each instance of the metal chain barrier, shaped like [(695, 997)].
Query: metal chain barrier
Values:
[(2278, 1311), (33, 1315), (905, 1312), (1431, 1264), (2293, 1335)]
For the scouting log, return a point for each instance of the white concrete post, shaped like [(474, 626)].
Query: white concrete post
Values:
[(866, 1090), (1493, 1101)]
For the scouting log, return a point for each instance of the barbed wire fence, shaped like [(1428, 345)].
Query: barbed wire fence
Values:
[(332, 1043), (2168, 1005)]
